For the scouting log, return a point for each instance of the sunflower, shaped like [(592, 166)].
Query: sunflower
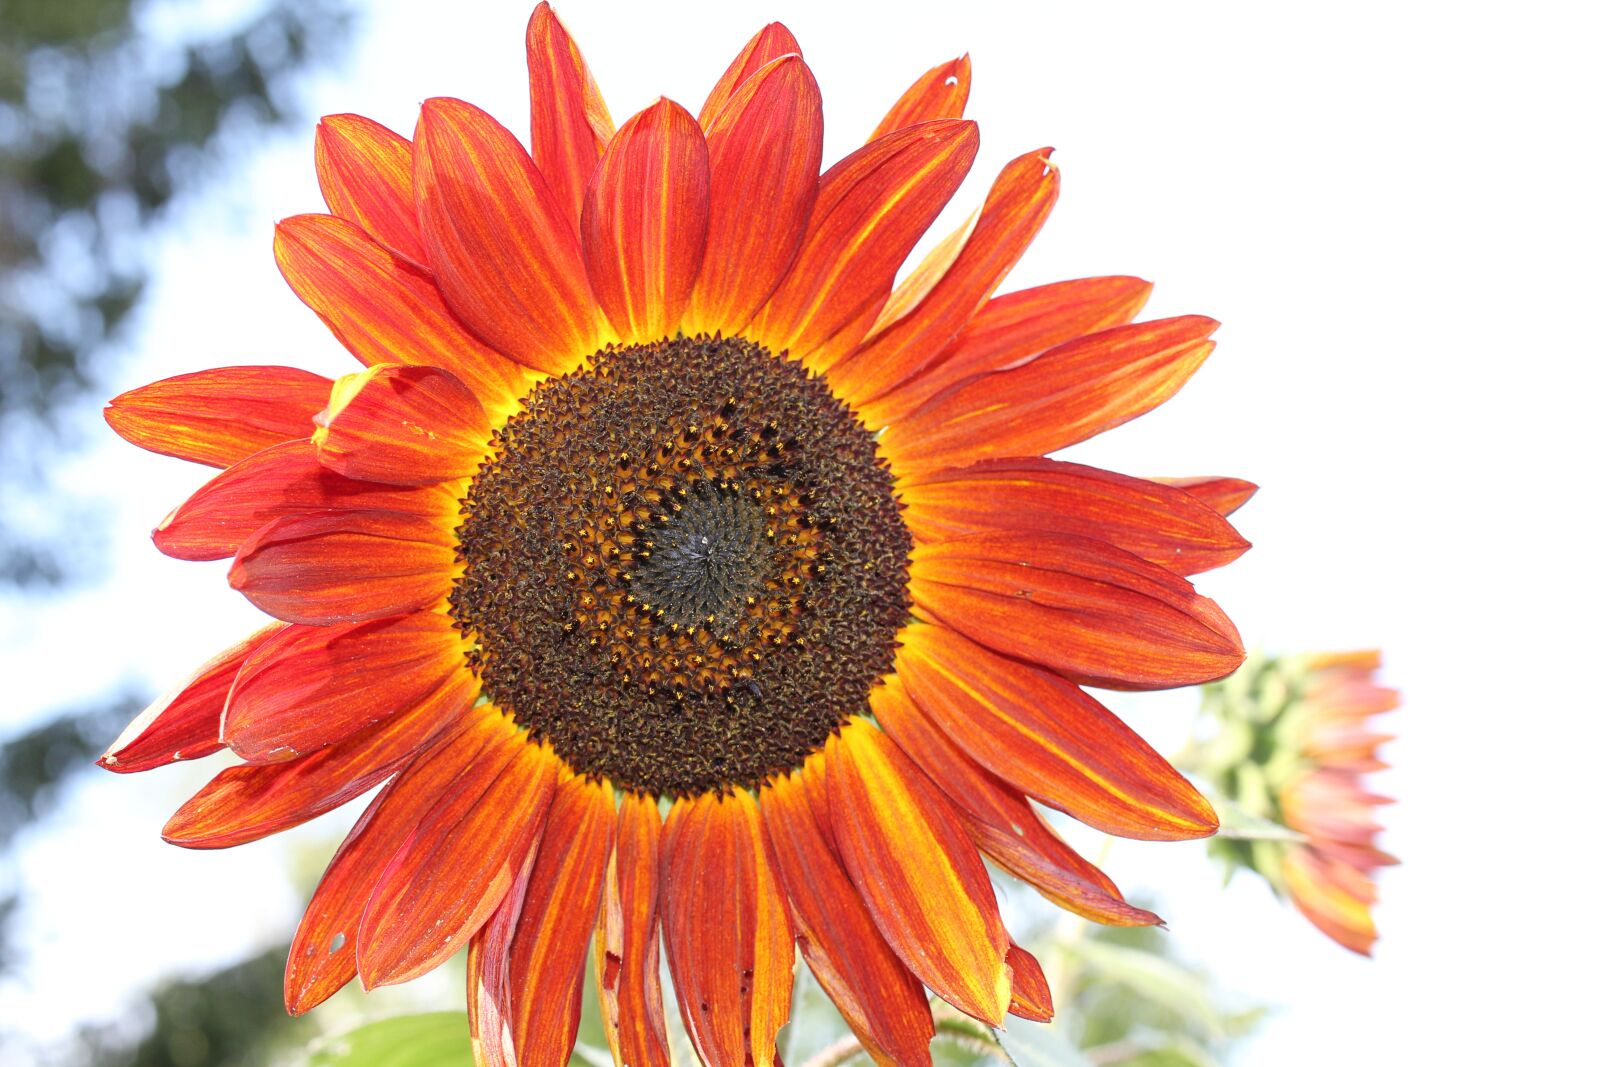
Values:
[(686, 581), (1295, 746)]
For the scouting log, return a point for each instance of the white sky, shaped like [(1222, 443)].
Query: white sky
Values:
[(1391, 209)]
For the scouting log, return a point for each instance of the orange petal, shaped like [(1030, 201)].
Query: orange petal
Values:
[(489, 976), (1049, 738), (322, 957), (728, 937), (254, 800), (221, 416), (871, 208), (489, 217), (1225, 495), (771, 42), (1046, 496), (1030, 992), (941, 93), (627, 939), (999, 819), (918, 872), (402, 426), (883, 1002), (644, 222), (1012, 330), (570, 123), (764, 149), (309, 686), (187, 722), (460, 859), (385, 309), (1017, 206), (364, 169), (558, 914), (345, 566), (277, 482), (1336, 897), (1067, 395), (1097, 614)]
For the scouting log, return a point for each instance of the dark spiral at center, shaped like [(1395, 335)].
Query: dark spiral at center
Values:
[(685, 566)]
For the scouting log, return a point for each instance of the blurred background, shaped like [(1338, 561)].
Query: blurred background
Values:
[(1390, 209)]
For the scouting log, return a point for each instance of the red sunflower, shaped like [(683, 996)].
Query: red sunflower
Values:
[(658, 496)]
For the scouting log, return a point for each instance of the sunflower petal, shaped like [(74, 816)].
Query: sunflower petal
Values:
[(570, 122), (919, 874), (1225, 495), (402, 426), (254, 800), (186, 723), (364, 169), (1011, 330), (771, 42), (1017, 205), (488, 216), (1091, 611), (1044, 496), (489, 976), (1030, 992), (883, 1002), (764, 150), (547, 951), (728, 935), (941, 93), (322, 957), (345, 566), (627, 939), (871, 208), (219, 417), (644, 221), (1049, 739), (308, 687), (1000, 820), (459, 861), (385, 309), (1067, 395)]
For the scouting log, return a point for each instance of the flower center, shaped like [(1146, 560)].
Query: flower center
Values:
[(685, 566)]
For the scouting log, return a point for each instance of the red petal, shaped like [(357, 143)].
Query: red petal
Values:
[(764, 150), (772, 42), (281, 481), (1048, 738), (402, 426), (345, 566), (1000, 820), (488, 216), (1065, 396), (1012, 330), (919, 874), (570, 123), (941, 93), (219, 417), (1226, 495), (1017, 206), (384, 309), (254, 800), (322, 957), (187, 722), (883, 1002), (627, 941), (644, 222), (548, 950), (1030, 992), (728, 937), (364, 169), (871, 208), (310, 686), (1046, 496), (459, 860), (1097, 614)]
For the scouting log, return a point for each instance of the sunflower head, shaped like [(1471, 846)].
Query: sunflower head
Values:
[(686, 580)]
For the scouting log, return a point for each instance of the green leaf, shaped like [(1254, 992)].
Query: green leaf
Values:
[(1031, 1044), (1186, 994), (435, 1039)]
